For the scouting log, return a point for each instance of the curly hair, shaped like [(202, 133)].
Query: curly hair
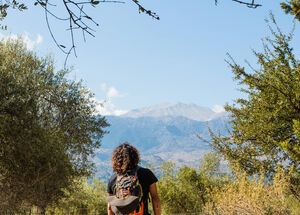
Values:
[(125, 157)]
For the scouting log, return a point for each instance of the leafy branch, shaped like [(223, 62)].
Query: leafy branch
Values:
[(5, 5)]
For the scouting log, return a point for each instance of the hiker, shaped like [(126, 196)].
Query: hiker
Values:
[(131, 184)]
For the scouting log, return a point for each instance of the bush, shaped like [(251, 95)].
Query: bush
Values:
[(86, 198), (254, 196), (188, 190)]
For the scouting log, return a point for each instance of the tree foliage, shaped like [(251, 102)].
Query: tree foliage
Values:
[(208, 190), (5, 5), (188, 190), (265, 124), (48, 129), (84, 198), (292, 7)]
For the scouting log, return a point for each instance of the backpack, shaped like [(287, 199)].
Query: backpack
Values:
[(128, 194)]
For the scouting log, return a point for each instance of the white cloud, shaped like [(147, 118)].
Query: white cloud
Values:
[(106, 107), (120, 112), (30, 42), (110, 91), (39, 39), (218, 109)]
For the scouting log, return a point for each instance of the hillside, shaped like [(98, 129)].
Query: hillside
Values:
[(163, 137)]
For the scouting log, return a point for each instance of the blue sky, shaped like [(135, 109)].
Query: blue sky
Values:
[(136, 61)]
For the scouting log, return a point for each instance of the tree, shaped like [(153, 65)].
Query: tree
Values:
[(48, 129), (182, 191), (265, 124), (292, 7), (210, 164), (188, 190)]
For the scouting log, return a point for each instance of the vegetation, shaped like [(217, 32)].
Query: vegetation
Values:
[(265, 124), (48, 129), (254, 196), (263, 147), (292, 7), (85, 198), (208, 191), (188, 190)]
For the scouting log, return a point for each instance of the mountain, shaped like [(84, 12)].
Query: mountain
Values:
[(190, 111), (161, 133)]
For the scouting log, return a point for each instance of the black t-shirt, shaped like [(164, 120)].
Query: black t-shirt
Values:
[(145, 177)]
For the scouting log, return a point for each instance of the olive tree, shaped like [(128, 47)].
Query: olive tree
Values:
[(48, 129)]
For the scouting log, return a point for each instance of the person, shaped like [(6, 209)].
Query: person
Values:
[(126, 158)]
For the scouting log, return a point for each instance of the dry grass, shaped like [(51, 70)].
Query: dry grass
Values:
[(254, 197)]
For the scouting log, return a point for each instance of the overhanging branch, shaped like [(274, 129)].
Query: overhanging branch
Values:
[(250, 4), (78, 18)]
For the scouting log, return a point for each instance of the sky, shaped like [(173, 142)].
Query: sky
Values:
[(136, 61)]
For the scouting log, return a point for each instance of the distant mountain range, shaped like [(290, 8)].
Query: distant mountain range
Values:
[(162, 132), (190, 111)]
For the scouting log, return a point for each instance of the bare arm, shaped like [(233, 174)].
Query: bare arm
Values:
[(155, 199), (109, 211)]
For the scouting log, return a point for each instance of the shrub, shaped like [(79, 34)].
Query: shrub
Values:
[(254, 196)]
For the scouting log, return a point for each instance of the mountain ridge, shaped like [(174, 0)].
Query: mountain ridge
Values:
[(159, 139), (190, 111)]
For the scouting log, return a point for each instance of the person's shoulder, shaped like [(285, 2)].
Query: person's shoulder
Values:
[(147, 176), (145, 171)]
